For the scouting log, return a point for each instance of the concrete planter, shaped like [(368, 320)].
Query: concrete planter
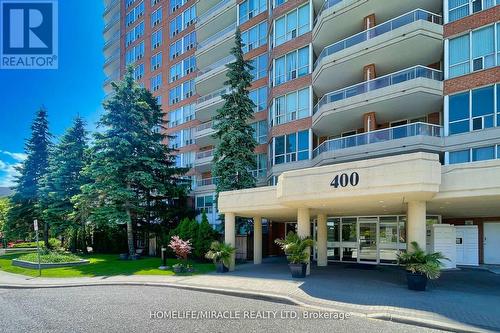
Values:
[(34, 265), (298, 270), (416, 281)]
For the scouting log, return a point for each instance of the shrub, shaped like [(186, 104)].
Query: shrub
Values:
[(220, 252), (204, 238), (50, 257), (180, 247), (420, 262), (54, 243), (295, 247)]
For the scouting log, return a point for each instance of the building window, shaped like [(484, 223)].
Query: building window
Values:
[(261, 166), (176, 25), (205, 203), (156, 82), (291, 66), (461, 8), (290, 107), (139, 72), (176, 4), (175, 49), (156, 17), (291, 147), (259, 67), (156, 61), (189, 41), (188, 65), (175, 72), (134, 54), (277, 3), (472, 110), (185, 160), (259, 98), (156, 39), (188, 89), (188, 17), (474, 154), (292, 25), (134, 14), (473, 52), (260, 131), (175, 94), (254, 37), (134, 34), (251, 8)]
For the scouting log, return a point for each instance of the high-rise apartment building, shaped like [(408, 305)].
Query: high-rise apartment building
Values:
[(349, 84)]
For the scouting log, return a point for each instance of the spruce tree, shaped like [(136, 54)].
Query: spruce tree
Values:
[(234, 157), (131, 166), (25, 202), (64, 180)]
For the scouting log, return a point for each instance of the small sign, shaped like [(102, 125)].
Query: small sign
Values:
[(35, 224)]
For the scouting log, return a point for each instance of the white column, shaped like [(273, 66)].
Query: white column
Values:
[(321, 241), (230, 234), (417, 216), (304, 228), (257, 240)]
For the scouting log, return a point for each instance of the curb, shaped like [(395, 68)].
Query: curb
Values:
[(281, 299)]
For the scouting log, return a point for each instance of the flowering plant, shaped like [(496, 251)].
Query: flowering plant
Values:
[(181, 247)]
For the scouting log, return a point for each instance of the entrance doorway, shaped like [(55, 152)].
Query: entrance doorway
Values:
[(368, 240), (490, 243)]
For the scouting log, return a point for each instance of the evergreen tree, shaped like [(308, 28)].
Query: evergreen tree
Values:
[(133, 174), (64, 180), (204, 237), (25, 202), (234, 157)]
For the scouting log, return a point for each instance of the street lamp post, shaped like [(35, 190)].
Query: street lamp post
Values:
[(35, 225)]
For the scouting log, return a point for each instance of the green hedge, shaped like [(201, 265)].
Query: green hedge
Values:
[(53, 242), (50, 257)]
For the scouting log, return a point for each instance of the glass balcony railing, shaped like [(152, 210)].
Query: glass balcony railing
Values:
[(204, 126), (226, 31), (400, 21), (206, 182), (383, 135), (215, 94), (111, 40), (327, 4), (204, 154), (111, 59), (379, 83), (209, 13), (217, 64), (112, 22), (259, 173), (109, 7)]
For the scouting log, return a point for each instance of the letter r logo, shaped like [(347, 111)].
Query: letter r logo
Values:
[(27, 27)]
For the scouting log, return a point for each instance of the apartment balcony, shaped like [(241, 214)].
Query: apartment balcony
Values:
[(213, 76), (112, 44), (216, 47), (112, 63), (349, 14), (389, 141), (203, 160), (215, 19), (412, 38), (406, 94), (207, 106), (206, 185), (111, 26), (111, 8), (204, 135)]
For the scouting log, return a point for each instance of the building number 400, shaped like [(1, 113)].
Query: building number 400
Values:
[(344, 179)]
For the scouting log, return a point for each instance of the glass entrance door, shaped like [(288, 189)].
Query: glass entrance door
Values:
[(367, 240)]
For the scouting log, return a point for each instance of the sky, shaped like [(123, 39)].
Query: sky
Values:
[(75, 88)]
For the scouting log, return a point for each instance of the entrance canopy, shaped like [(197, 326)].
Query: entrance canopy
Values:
[(381, 186)]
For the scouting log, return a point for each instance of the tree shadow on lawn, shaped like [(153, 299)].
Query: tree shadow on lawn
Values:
[(106, 265)]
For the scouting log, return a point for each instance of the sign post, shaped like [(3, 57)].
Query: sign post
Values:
[(35, 224)]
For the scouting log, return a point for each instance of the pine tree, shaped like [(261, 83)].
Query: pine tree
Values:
[(234, 157), (133, 174), (25, 203), (64, 180), (204, 237)]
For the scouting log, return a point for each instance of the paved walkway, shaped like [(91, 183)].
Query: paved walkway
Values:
[(461, 300)]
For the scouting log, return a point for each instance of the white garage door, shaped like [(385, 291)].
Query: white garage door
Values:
[(492, 243)]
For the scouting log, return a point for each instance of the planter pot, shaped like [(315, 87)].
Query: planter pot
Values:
[(123, 256), (220, 268), (416, 281), (298, 270), (178, 269)]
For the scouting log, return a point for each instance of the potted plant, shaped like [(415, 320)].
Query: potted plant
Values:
[(221, 254), (178, 268), (420, 266), (295, 248)]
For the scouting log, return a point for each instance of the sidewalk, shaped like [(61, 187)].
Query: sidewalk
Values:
[(462, 300)]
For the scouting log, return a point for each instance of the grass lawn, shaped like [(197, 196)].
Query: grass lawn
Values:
[(103, 265)]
